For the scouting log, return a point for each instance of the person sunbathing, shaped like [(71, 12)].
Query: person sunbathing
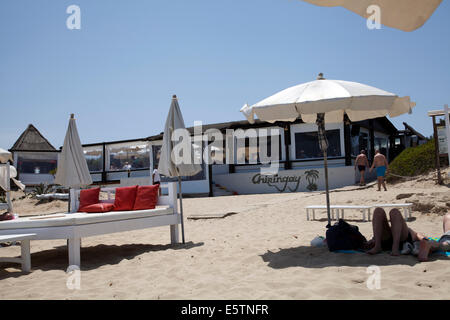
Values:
[(443, 244), (390, 237)]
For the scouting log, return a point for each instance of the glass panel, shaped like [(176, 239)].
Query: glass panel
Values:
[(307, 145), (381, 144), (156, 151), (251, 155), (94, 158), (360, 142), (129, 156), (36, 166)]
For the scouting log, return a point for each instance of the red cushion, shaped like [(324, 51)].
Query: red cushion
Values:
[(125, 197), (98, 207), (88, 197), (146, 197)]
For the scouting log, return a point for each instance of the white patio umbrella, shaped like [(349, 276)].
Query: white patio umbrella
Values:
[(72, 171), (5, 156), (406, 15), (167, 166), (326, 101)]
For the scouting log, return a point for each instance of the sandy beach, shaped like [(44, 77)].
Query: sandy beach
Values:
[(261, 252)]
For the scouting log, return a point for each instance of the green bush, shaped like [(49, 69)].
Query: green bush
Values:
[(413, 161)]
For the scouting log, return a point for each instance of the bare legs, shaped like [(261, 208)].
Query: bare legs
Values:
[(426, 246), (399, 230), (381, 182), (361, 181), (382, 232)]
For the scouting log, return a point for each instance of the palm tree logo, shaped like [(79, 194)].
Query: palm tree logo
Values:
[(312, 176)]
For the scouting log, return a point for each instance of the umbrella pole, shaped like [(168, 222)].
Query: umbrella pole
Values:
[(181, 209), (68, 205), (325, 164)]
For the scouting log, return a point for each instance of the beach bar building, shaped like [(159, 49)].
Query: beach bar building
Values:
[(300, 165), (34, 157)]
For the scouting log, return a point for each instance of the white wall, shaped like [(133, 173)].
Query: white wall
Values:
[(246, 183)]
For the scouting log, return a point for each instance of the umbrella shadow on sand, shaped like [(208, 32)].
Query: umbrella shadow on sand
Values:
[(312, 257), (92, 257)]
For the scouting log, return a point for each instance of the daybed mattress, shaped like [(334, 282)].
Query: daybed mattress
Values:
[(80, 218)]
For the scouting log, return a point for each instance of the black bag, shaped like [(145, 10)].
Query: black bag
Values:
[(343, 236)]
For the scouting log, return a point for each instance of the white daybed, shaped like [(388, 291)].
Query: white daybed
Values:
[(77, 225)]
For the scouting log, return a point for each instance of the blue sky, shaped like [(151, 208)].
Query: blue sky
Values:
[(118, 73)]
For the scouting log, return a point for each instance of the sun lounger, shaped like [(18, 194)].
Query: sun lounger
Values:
[(338, 209), (25, 258), (405, 206), (75, 226)]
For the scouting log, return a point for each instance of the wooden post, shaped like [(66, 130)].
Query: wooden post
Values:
[(436, 147), (372, 140), (447, 130)]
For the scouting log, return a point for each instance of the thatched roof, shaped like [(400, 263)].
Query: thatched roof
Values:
[(32, 140)]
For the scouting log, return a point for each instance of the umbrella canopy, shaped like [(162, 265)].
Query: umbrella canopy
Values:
[(5, 156), (166, 166), (406, 15), (332, 97), (323, 101), (72, 171)]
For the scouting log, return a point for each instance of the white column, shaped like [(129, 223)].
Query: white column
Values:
[(25, 255), (74, 245)]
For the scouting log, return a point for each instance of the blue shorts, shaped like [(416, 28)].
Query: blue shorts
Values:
[(381, 171)]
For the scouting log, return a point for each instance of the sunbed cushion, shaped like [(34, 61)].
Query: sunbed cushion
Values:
[(125, 197), (88, 197), (146, 197), (98, 207), (81, 218)]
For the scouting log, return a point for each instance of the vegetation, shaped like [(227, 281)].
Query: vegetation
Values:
[(42, 189), (413, 161)]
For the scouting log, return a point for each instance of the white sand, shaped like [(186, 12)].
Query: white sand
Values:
[(262, 252)]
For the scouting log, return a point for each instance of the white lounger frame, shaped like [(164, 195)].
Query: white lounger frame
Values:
[(74, 233), (8, 204)]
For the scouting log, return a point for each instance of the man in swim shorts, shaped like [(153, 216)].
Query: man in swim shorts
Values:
[(361, 162), (427, 245), (381, 165)]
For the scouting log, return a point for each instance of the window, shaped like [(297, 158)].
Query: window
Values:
[(132, 155), (246, 154), (156, 151), (381, 144), (360, 142), (94, 158), (38, 165), (307, 145)]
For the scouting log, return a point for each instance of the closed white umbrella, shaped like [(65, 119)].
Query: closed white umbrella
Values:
[(167, 166), (5, 156), (72, 171), (406, 15), (326, 101)]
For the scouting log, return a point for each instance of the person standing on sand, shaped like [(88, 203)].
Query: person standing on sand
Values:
[(381, 165), (361, 162)]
